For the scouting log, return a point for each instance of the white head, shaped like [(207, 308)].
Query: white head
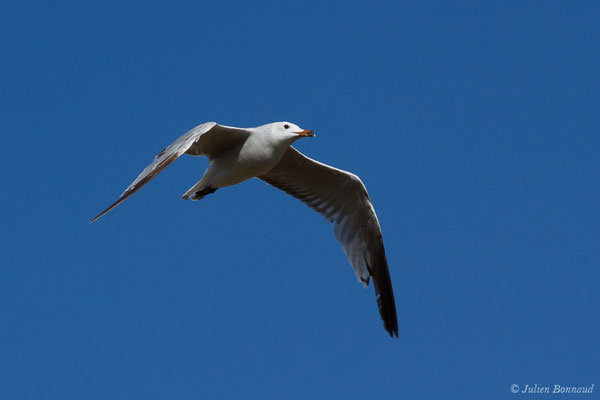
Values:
[(288, 130)]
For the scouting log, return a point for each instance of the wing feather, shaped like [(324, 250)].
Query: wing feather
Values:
[(208, 139), (341, 197)]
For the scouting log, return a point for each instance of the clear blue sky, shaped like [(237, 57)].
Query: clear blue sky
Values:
[(474, 126)]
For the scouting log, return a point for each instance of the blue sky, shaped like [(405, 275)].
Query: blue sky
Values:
[(474, 126)]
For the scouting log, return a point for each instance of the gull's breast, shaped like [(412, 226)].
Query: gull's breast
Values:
[(248, 161)]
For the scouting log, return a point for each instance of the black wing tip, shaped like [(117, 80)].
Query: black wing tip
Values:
[(392, 330), (101, 214), (390, 320), (113, 205), (387, 306), (385, 297)]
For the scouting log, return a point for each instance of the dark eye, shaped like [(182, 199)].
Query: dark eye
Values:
[(286, 126)]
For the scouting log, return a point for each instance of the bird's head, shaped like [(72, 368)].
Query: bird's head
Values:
[(289, 130)]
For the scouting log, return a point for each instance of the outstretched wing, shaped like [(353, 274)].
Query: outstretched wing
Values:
[(208, 139), (342, 198)]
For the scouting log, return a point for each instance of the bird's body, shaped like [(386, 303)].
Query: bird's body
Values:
[(260, 152), (265, 152)]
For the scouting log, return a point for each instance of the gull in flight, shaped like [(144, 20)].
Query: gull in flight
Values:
[(265, 152)]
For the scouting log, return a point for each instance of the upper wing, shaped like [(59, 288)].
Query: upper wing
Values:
[(341, 197), (207, 139)]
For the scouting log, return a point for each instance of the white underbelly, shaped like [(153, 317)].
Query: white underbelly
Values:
[(239, 165), (233, 176)]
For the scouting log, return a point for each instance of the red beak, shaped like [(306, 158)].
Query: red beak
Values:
[(307, 133)]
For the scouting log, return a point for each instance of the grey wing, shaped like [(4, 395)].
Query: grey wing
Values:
[(342, 198), (207, 139)]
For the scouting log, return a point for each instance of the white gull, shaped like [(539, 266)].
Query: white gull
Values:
[(265, 152)]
